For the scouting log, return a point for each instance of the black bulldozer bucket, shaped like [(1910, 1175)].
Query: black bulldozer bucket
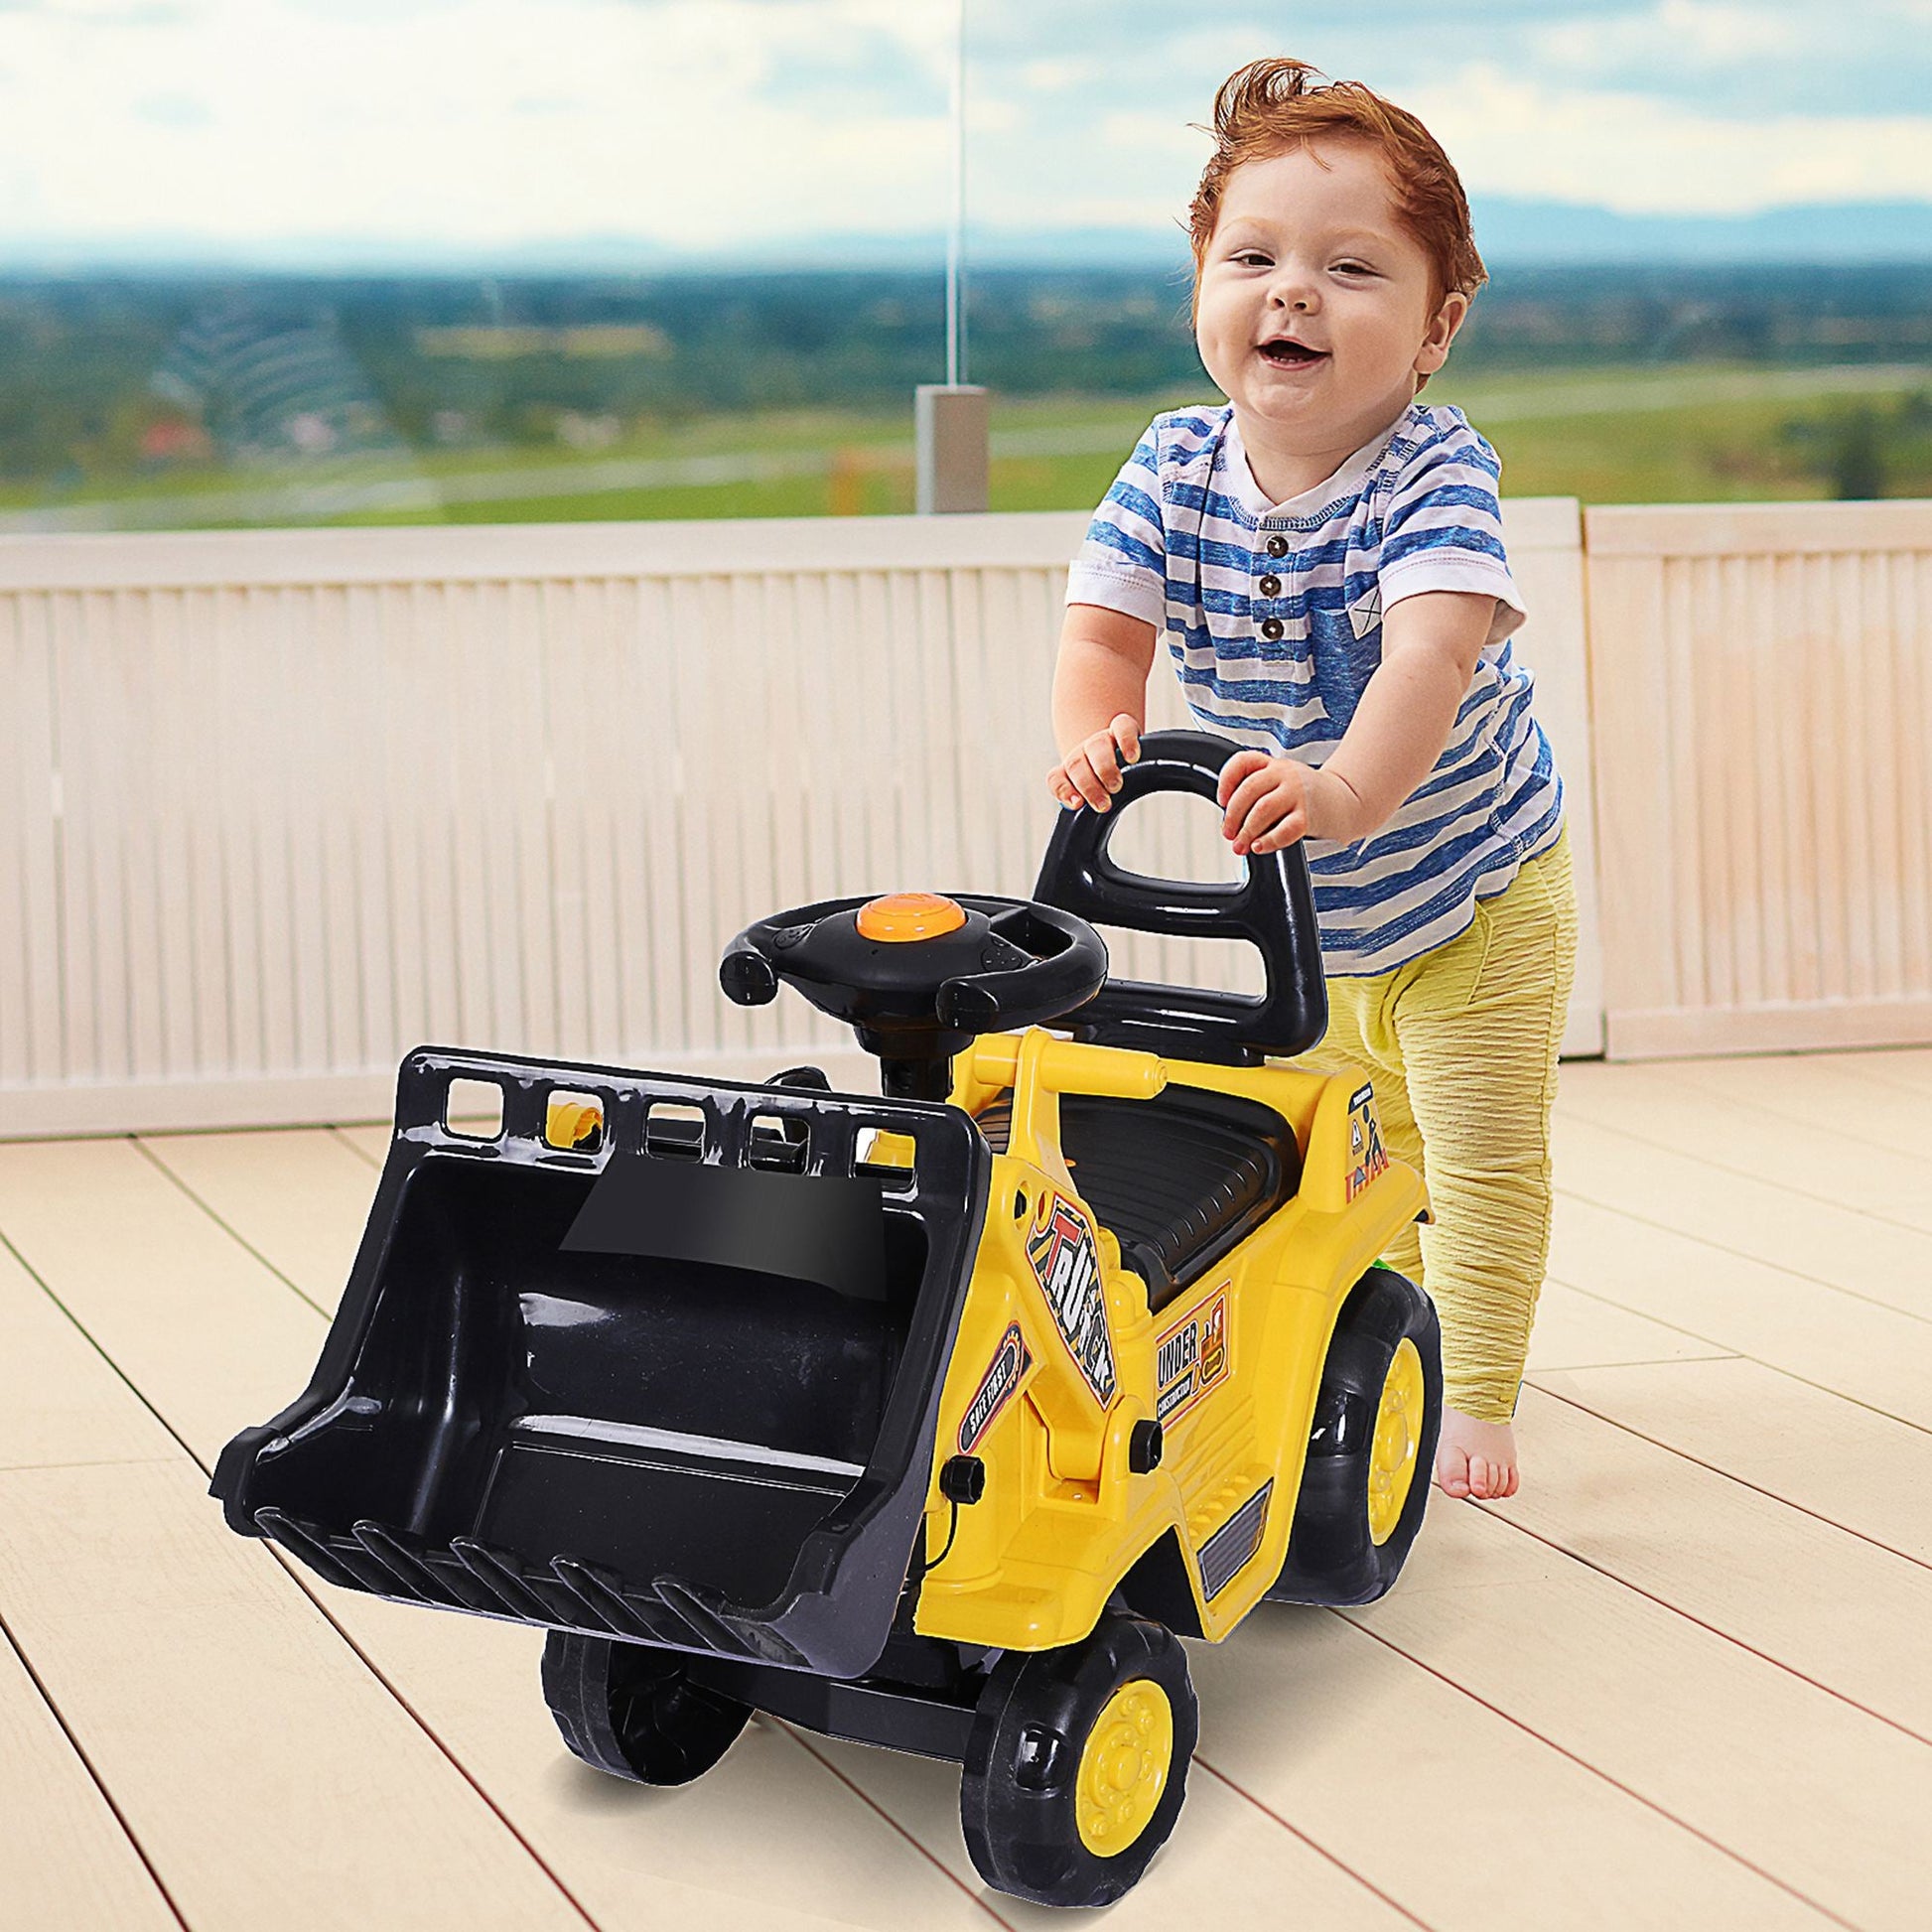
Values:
[(671, 1374)]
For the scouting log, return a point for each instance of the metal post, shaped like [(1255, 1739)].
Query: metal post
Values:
[(952, 437), (952, 417)]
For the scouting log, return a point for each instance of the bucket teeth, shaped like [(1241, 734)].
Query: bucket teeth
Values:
[(600, 1596), (502, 1581), (297, 1539), (408, 1570)]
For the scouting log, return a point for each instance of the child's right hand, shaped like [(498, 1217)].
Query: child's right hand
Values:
[(1090, 772)]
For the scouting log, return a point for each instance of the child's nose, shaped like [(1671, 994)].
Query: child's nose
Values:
[(1292, 289)]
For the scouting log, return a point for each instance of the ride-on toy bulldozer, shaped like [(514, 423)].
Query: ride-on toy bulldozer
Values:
[(929, 1419)]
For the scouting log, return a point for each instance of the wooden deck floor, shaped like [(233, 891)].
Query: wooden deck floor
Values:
[(1684, 1679)]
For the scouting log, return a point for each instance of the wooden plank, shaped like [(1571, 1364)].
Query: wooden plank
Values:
[(31, 839), (357, 652), (69, 1860), (1826, 1336), (1769, 827), (1228, 1863), (1889, 890), (1880, 1261), (189, 1691), (766, 1838), (1831, 1606), (299, 1198), (1406, 1776), (1756, 529), (1652, 1105), (94, 906), (234, 700), (65, 1405), (1910, 622), (1910, 1068), (244, 1743), (1844, 1462), (174, 1300), (1810, 1791), (1822, 1101), (167, 1106), (1690, 1031), (1578, 1330), (532, 552), (1637, 858), (370, 1140)]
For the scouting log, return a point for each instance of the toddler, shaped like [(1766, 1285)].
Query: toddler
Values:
[(1324, 555)]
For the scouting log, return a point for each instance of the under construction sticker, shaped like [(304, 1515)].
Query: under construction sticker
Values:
[(1011, 1362), (1189, 1359), (1067, 1261), (1367, 1157)]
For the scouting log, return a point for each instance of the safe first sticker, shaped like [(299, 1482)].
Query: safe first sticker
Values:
[(1367, 1157), (1010, 1361), (1065, 1259), (1191, 1358)]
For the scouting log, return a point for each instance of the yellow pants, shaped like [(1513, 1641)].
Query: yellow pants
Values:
[(1461, 1046)]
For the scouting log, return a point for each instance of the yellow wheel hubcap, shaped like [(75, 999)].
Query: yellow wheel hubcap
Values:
[(1124, 1768), (1397, 1438)]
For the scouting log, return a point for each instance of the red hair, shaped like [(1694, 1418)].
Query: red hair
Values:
[(1269, 108)]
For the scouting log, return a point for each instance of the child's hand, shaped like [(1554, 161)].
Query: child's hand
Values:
[(1267, 802), (1090, 772)]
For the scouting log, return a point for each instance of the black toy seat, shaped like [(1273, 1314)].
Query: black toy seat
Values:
[(1179, 1179)]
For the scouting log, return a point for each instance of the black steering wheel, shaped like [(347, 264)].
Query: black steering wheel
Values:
[(917, 976)]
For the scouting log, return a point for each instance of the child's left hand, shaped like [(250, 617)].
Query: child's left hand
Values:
[(1268, 803)]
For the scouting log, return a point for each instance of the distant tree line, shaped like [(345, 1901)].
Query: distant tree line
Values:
[(90, 383)]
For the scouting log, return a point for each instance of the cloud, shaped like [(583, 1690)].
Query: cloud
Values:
[(695, 122), (173, 110)]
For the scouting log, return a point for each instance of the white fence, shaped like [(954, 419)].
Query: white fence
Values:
[(277, 806), (1762, 720)]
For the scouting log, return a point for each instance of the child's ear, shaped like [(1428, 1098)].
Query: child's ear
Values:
[(1442, 332)]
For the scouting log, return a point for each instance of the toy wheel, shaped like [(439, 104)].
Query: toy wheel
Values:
[(1366, 1482), (633, 1712), (1077, 1763)]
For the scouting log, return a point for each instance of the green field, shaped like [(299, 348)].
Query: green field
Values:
[(1686, 432)]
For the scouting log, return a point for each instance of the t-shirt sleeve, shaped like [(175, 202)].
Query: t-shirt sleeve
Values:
[(1443, 531), (1123, 564)]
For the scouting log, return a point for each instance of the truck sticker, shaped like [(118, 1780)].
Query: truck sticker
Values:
[(1367, 1157), (1067, 1261), (1010, 1361), (1191, 1358)]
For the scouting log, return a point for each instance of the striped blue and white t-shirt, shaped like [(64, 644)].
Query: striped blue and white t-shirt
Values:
[(1273, 612)]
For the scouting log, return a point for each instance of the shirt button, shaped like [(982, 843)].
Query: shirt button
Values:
[(1278, 546), (1270, 586), (1273, 629)]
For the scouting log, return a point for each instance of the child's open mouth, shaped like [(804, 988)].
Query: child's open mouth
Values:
[(1285, 354)]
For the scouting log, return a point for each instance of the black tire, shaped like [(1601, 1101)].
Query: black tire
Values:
[(1038, 1762), (1332, 1554), (634, 1711)]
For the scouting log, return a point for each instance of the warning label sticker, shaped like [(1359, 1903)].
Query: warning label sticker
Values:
[(1189, 1359), (1010, 1361), (1065, 1259), (1367, 1157)]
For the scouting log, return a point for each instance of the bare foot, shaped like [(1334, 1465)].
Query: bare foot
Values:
[(1476, 1458)]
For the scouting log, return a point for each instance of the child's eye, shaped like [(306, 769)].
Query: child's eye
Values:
[(1252, 258), (1353, 268)]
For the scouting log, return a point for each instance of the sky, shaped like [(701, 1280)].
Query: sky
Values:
[(739, 128)]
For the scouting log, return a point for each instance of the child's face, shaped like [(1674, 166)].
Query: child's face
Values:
[(1309, 247)]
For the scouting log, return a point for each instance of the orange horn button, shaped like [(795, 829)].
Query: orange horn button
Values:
[(909, 915)]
